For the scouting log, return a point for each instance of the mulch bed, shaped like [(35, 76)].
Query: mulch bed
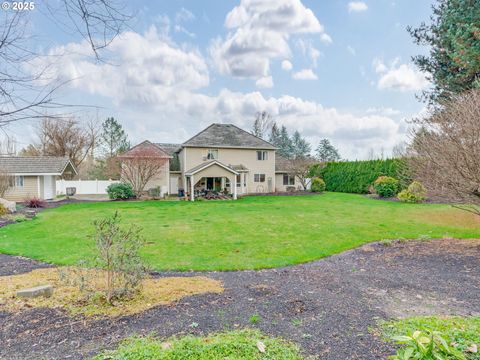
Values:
[(328, 306)]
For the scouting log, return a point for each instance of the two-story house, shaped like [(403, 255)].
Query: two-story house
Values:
[(222, 157)]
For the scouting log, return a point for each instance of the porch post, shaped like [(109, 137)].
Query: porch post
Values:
[(234, 182), (192, 183)]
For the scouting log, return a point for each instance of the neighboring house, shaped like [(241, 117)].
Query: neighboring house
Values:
[(222, 157), (34, 176)]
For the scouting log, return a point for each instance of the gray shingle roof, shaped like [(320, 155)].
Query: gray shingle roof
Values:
[(33, 164), (281, 163), (227, 135), (170, 149)]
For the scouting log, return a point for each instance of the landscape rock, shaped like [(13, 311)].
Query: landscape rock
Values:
[(11, 206), (42, 290)]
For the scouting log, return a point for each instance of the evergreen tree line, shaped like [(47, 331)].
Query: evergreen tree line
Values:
[(291, 146)]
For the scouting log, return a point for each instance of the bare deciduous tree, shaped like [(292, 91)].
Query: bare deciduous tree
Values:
[(300, 168), (445, 152), (262, 124), (26, 91), (66, 138), (140, 168)]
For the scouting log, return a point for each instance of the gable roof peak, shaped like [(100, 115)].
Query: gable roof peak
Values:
[(227, 135)]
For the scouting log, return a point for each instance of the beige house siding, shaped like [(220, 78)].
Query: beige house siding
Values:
[(192, 156), (28, 190), (283, 188), (161, 179)]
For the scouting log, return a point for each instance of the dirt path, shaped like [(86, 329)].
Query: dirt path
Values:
[(326, 306)]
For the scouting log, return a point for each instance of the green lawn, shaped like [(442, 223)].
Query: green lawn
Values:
[(240, 344), (251, 233)]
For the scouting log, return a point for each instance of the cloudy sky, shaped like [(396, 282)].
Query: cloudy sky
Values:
[(333, 68)]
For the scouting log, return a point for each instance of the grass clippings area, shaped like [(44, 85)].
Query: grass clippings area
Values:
[(463, 333), (241, 344), (251, 233), (153, 292)]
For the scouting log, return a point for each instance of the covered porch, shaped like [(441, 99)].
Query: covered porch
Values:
[(211, 178)]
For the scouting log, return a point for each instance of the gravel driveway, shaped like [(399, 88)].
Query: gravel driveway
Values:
[(329, 306)]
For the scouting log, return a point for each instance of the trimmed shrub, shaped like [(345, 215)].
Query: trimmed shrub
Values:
[(415, 193), (35, 203), (318, 185), (120, 191), (3, 210), (357, 176), (386, 186)]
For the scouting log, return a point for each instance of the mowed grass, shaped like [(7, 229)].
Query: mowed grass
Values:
[(251, 233)]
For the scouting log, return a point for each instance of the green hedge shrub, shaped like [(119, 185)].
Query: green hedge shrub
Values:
[(357, 176), (415, 193), (120, 191), (318, 185), (386, 186)]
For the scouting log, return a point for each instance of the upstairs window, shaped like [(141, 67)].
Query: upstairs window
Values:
[(262, 155), (212, 154), (288, 180), (259, 178)]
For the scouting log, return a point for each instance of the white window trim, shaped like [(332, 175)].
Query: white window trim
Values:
[(259, 178), (212, 151), (18, 177), (263, 155)]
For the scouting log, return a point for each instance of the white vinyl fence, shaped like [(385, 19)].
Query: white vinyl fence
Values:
[(84, 187)]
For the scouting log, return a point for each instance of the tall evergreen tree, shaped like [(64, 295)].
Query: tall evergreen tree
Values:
[(113, 137), (274, 137), (326, 151), (285, 147), (300, 146), (453, 64)]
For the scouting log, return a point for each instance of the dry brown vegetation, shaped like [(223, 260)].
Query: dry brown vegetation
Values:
[(445, 152), (153, 292)]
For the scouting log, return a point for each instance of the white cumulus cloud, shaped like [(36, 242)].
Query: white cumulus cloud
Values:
[(400, 77), (259, 32), (305, 74), (152, 79), (357, 6), (264, 82), (287, 65)]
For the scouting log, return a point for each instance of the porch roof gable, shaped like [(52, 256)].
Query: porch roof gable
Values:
[(208, 164)]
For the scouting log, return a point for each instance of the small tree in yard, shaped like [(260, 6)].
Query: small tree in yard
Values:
[(118, 255), (5, 183), (300, 168), (445, 153), (140, 165)]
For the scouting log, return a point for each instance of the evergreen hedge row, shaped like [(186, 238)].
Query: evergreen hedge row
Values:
[(356, 176)]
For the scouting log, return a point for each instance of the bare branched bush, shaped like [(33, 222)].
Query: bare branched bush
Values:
[(118, 254), (5, 183), (445, 152)]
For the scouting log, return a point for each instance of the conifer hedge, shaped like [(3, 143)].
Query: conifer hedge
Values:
[(356, 176)]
